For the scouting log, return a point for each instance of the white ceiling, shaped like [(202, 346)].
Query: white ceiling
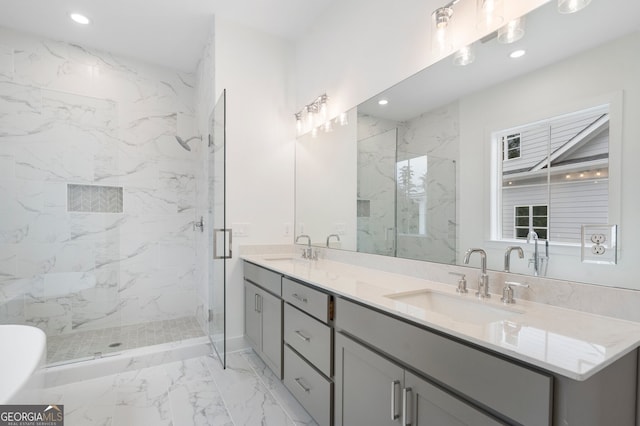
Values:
[(171, 33)]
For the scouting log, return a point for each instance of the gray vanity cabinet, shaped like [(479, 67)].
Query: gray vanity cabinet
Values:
[(372, 390), (263, 325), (368, 387), (263, 315), (308, 339), (428, 405)]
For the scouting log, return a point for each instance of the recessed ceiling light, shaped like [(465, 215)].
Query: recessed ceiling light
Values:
[(517, 54), (383, 102), (79, 18)]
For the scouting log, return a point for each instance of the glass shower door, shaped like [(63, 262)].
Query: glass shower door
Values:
[(219, 235)]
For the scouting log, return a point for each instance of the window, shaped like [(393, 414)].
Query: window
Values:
[(531, 218), (411, 180), (561, 182), (511, 146)]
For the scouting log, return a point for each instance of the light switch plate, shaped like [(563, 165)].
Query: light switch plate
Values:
[(599, 244)]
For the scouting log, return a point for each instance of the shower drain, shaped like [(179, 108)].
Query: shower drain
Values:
[(115, 345)]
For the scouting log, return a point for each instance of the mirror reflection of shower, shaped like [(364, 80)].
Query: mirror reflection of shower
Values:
[(185, 143)]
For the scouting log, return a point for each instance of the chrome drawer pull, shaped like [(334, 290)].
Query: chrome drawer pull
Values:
[(394, 385), (300, 298), (302, 336), (303, 387)]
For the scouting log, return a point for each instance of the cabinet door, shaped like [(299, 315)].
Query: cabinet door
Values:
[(428, 405), (368, 387), (252, 316), (271, 309)]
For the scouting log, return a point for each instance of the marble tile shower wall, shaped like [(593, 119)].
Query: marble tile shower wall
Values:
[(434, 134), (376, 186), (71, 115)]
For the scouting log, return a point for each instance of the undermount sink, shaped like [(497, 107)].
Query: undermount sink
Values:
[(463, 308)]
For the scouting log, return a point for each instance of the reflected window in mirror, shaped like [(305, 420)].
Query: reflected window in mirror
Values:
[(511, 147), (553, 176), (531, 218)]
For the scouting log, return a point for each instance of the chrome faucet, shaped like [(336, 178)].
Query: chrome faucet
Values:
[(536, 255), (507, 256), (308, 252), (333, 235), (483, 279)]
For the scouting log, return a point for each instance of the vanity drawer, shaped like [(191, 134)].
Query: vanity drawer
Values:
[(265, 278), (314, 302), (489, 380), (309, 387), (308, 336)]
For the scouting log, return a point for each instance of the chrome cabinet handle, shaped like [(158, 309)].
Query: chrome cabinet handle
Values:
[(300, 298), (257, 303), (394, 413), (302, 336), (406, 421), (302, 386)]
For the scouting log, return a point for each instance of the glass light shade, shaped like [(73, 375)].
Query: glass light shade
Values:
[(322, 110), (512, 32), (343, 119), (464, 56), (489, 14), (327, 126), (310, 117), (572, 6), (314, 132), (299, 124), (441, 38)]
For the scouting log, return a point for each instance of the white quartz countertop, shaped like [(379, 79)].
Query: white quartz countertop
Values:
[(571, 343)]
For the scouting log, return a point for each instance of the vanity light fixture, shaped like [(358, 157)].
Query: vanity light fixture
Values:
[(79, 18), (572, 6), (314, 117), (517, 54), (464, 56), (512, 32), (489, 13), (441, 38)]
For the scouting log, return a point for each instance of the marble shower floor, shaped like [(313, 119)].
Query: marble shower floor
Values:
[(194, 391), (83, 344)]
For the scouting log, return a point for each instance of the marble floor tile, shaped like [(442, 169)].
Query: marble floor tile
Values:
[(279, 391), (194, 391), (198, 403)]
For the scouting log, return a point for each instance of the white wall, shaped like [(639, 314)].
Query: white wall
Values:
[(256, 70), (326, 185)]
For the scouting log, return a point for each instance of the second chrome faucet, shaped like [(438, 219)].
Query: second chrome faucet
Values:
[(483, 279)]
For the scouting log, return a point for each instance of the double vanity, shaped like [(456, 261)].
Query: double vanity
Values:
[(359, 346)]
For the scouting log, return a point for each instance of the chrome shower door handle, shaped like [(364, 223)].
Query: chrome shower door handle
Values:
[(227, 250)]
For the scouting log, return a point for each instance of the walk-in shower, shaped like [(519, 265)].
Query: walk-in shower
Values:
[(97, 201)]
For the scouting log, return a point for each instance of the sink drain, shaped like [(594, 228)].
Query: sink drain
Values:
[(115, 345)]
